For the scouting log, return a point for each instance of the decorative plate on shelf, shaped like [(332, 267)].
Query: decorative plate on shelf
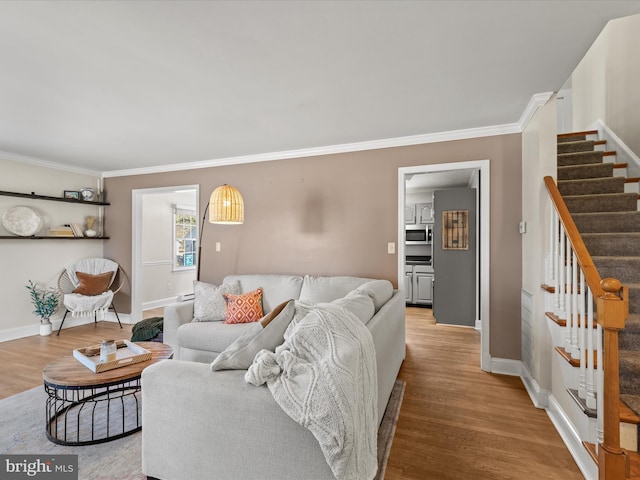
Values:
[(22, 221)]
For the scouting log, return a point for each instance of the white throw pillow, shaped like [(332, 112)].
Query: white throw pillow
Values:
[(208, 302), (380, 292), (360, 304), (266, 334)]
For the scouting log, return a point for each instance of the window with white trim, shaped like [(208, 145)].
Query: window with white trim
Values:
[(185, 238)]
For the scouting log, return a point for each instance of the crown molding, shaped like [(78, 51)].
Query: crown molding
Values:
[(538, 100), (327, 150), (14, 157)]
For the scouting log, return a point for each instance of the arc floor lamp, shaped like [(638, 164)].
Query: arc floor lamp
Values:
[(225, 207)]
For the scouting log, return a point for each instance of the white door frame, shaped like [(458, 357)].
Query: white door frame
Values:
[(136, 241), (484, 256)]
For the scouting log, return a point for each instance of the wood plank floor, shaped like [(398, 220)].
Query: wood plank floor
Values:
[(456, 422)]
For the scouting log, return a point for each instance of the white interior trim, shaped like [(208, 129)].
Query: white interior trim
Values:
[(537, 101), (14, 157), (485, 237), (136, 241), (571, 439)]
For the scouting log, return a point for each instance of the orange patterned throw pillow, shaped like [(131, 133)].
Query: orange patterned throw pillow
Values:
[(244, 308)]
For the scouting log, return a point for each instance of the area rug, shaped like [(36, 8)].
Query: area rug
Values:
[(22, 419)]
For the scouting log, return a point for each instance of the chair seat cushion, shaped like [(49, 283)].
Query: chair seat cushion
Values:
[(210, 336)]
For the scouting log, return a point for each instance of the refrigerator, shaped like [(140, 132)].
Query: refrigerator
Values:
[(454, 256)]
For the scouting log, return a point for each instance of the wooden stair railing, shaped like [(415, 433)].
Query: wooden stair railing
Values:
[(612, 310)]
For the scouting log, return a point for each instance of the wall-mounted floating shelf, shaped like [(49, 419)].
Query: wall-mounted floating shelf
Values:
[(35, 196)]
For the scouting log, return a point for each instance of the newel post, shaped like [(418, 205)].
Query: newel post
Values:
[(613, 461)]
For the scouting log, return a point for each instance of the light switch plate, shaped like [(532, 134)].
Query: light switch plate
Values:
[(391, 248), (522, 227)]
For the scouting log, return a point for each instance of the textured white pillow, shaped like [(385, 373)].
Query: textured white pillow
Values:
[(240, 354), (380, 292), (360, 304), (208, 302)]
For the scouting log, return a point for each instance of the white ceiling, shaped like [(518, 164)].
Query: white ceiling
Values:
[(112, 85)]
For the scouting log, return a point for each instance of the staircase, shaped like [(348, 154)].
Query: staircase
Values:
[(604, 206)]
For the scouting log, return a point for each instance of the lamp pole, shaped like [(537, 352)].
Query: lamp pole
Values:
[(204, 217)]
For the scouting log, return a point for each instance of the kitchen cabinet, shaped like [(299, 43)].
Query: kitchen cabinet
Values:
[(408, 283), (410, 214), (424, 213), (423, 288), (418, 284)]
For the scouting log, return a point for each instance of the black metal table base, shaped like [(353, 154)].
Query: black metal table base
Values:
[(90, 415)]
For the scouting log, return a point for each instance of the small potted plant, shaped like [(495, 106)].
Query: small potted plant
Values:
[(46, 302)]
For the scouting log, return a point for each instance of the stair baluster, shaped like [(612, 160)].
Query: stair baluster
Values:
[(585, 352), (591, 374), (612, 311)]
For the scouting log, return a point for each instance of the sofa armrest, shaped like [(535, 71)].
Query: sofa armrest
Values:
[(175, 315), (200, 424)]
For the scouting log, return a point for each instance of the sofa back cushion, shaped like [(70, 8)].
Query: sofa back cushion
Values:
[(275, 288), (327, 289)]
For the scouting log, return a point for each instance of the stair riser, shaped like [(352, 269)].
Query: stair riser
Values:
[(592, 186), (572, 138), (625, 269), (579, 158), (569, 147), (611, 203), (597, 170), (634, 301), (615, 244), (629, 342), (608, 222)]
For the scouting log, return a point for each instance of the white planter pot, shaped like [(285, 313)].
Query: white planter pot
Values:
[(45, 329)]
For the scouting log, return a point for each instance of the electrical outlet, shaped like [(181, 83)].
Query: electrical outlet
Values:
[(169, 286), (391, 248), (217, 246)]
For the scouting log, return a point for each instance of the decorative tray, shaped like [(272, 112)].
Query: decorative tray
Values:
[(127, 353)]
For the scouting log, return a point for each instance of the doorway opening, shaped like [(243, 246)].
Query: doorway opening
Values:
[(163, 264), (440, 173)]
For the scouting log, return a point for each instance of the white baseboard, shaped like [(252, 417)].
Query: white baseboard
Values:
[(163, 302), (505, 366), (539, 396), (571, 439), (34, 328)]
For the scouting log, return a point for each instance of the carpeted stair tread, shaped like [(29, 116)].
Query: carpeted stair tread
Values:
[(575, 136), (580, 158), (612, 244), (596, 170), (607, 222), (629, 365), (579, 146), (591, 186), (634, 298), (606, 202), (625, 269), (629, 337), (631, 401)]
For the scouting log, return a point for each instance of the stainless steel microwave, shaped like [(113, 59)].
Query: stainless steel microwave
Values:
[(418, 234)]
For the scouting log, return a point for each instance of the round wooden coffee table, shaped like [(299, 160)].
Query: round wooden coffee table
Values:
[(84, 408)]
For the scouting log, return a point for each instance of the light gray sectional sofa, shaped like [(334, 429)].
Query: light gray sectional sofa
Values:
[(204, 424)]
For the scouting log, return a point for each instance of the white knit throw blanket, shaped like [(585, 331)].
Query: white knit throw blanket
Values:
[(324, 377), (85, 306)]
